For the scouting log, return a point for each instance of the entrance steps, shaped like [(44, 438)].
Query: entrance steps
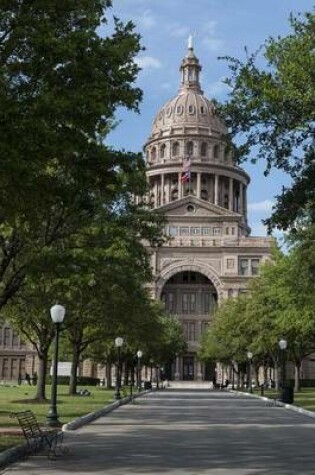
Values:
[(188, 384)]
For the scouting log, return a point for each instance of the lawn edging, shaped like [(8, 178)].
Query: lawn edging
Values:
[(13, 455), (292, 407), (87, 418)]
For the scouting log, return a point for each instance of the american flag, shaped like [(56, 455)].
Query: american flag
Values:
[(186, 171)]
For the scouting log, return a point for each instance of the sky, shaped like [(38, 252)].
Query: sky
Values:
[(219, 28)]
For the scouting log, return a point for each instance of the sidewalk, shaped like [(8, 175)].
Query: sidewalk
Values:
[(178, 432)]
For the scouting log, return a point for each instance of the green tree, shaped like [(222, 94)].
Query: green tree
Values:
[(60, 85), (272, 112)]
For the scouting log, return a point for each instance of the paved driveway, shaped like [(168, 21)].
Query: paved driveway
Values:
[(187, 433)]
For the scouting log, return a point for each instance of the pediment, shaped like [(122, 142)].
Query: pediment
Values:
[(191, 205)]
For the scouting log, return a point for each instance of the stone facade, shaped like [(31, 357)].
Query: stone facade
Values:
[(194, 181)]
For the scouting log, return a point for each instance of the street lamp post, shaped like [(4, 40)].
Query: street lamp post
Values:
[(283, 346), (139, 356), (250, 356), (57, 313), (118, 344)]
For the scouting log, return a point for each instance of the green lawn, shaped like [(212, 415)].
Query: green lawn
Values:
[(16, 398), (305, 398)]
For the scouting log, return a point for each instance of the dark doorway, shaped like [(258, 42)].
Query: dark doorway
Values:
[(188, 368), (168, 373), (210, 370)]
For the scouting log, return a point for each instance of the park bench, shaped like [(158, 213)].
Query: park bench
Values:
[(37, 437)]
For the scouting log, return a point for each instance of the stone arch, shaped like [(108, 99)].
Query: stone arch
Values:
[(193, 265)]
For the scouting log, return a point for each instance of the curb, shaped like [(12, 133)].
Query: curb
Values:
[(81, 421), (12, 455), (291, 407), (15, 454)]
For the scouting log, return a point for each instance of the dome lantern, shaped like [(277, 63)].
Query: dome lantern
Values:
[(190, 70)]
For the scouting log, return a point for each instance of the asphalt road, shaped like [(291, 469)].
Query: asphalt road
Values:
[(187, 433)]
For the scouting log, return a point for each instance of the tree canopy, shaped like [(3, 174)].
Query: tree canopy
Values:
[(271, 110)]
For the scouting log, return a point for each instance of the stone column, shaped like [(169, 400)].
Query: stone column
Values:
[(231, 194), (179, 185), (241, 208), (162, 189), (199, 371), (216, 189), (199, 185), (155, 193), (169, 189), (245, 203)]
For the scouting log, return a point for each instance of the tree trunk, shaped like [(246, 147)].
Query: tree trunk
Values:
[(42, 372), (297, 376), (74, 370), (108, 375)]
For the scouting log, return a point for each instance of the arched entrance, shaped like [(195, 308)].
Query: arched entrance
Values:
[(192, 297)]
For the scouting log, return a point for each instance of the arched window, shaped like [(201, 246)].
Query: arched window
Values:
[(162, 150), (153, 153), (190, 148), (175, 149), (216, 151), (204, 149)]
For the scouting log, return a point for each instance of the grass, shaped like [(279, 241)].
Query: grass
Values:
[(17, 398), (305, 398)]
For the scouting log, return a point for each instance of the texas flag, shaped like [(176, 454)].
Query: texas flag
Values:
[(186, 171)]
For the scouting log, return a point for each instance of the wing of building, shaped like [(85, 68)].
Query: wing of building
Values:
[(193, 179)]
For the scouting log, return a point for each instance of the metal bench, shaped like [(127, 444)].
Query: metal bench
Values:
[(37, 437)]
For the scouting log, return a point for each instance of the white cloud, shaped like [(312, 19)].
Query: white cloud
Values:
[(210, 27), (217, 88), (148, 62), (178, 31), (261, 206), (146, 20), (212, 44)]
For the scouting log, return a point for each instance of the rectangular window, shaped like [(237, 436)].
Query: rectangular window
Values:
[(22, 368), (206, 302), (170, 302), (216, 231), (192, 331), (173, 230), (5, 368), (207, 231), (184, 231), (7, 337), (195, 231), (254, 266), (243, 266), (14, 368), (15, 341), (185, 303), (192, 303)]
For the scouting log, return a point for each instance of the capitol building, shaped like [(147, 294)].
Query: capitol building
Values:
[(194, 181), (210, 254)]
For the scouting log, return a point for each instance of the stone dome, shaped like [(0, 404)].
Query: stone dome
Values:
[(191, 109)]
